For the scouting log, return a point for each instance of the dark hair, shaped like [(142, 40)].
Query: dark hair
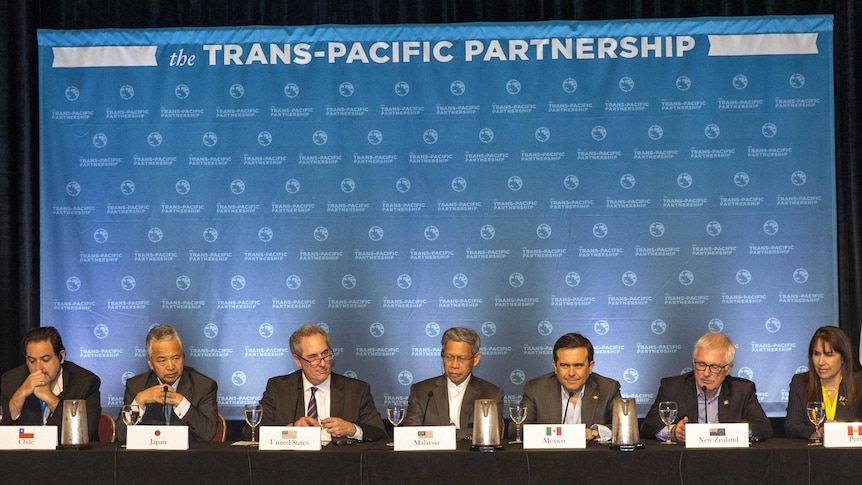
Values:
[(574, 341), (840, 342), (42, 334)]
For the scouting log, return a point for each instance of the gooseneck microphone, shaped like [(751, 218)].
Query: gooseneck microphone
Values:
[(568, 401), (705, 403), (427, 402)]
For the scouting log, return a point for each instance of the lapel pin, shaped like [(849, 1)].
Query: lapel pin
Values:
[(595, 398), (726, 402)]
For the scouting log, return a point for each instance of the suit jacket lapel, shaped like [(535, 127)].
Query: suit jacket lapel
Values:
[(336, 399), (588, 404), (552, 390), (441, 401), (723, 401), (468, 404)]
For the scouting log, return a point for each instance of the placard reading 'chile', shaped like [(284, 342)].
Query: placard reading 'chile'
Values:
[(640, 182)]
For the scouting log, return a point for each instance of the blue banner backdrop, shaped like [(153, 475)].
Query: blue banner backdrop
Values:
[(640, 182)]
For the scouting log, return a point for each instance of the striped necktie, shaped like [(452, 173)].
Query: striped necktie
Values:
[(312, 404)]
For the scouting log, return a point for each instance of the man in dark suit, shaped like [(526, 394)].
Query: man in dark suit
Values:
[(314, 396), (33, 393), (707, 394), (171, 393), (573, 394), (449, 398)]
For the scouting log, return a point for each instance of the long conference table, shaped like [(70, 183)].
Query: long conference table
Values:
[(783, 461)]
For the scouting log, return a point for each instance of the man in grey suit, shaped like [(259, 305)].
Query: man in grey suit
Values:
[(449, 398), (573, 394), (171, 392)]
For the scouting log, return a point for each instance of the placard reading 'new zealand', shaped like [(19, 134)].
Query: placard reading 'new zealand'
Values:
[(640, 182)]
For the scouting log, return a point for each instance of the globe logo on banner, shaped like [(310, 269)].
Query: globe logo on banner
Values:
[(770, 227), (237, 282), (655, 132), (264, 138), (72, 93), (73, 188), (627, 84), (712, 131), (769, 130), (432, 329), (543, 231), (459, 184), (600, 230), (346, 89), (573, 279), (741, 179), (101, 331), (348, 281), (155, 234), (773, 325), (513, 86), (743, 277), (627, 181), (486, 135), (237, 186), (713, 228), (291, 186), (489, 328), (405, 378), (184, 282), (127, 92), (402, 185), (100, 236), (73, 283), (182, 91), (459, 281), (683, 83), (237, 91), (126, 376), (127, 187), (404, 281), (801, 369), (517, 377), (516, 280), (545, 328), (375, 233), (800, 275), (321, 233), (571, 182), (686, 277), (154, 139), (797, 80), (351, 374), (599, 133), (631, 375), (293, 282), (431, 233), (656, 229), (238, 378), (210, 234), (374, 137), (348, 186), (543, 134), (319, 137), (211, 330), (100, 140), (746, 373), (798, 178), (291, 90), (265, 330), (658, 326), (210, 139), (684, 180), (740, 82), (265, 234), (402, 88), (487, 232), (377, 329), (183, 187), (570, 85), (325, 328), (601, 327), (128, 283), (515, 183), (630, 278), (457, 88), (715, 325), (430, 136)]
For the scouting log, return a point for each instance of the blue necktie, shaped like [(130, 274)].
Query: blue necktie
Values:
[(45, 412), (312, 404)]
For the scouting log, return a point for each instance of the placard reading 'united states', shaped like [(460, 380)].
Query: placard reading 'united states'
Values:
[(640, 182)]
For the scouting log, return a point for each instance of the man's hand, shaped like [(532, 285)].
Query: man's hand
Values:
[(678, 431), (338, 427), (306, 421), (156, 394)]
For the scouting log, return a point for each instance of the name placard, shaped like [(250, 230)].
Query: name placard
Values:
[(294, 438), (424, 438), (555, 436), (716, 435), (157, 437), (842, 435), (28, 437)]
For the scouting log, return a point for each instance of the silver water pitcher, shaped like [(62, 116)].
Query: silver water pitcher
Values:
[(486, 425), (75, 432), (625, 436)]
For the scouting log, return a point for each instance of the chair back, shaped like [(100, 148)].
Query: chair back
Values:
[(107, 428), (221, 430)]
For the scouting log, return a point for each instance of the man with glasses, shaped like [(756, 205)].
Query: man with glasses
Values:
[(313, 396), (171, 392), (573, 394), (449, 398), (708, 394)]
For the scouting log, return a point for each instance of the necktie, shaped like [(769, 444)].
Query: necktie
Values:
[(312, 404), (169, 410), (45, 412)]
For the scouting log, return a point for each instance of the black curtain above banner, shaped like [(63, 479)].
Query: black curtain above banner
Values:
[(19, 127)]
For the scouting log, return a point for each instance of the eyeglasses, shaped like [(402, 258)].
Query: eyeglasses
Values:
[(449, 358), (324, 356), (714, 368)]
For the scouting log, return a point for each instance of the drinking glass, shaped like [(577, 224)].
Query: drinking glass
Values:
[(1, 413), (131, 414), (253, 415), (395, 413), (816, 414), (518, 413), (667, 412)]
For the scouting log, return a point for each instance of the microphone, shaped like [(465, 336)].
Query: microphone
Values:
[(705, 403), (427, 401), (568, 401), (167, 407)]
